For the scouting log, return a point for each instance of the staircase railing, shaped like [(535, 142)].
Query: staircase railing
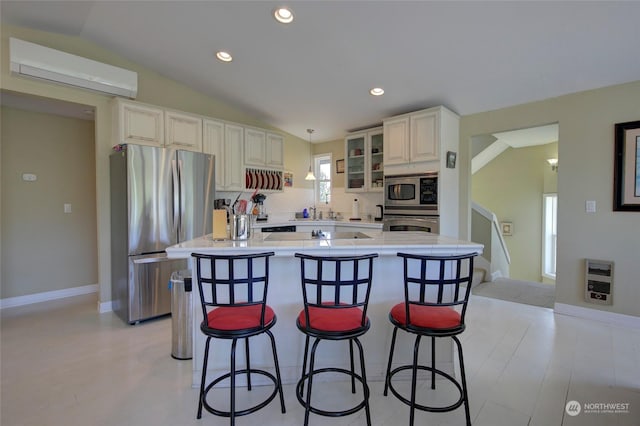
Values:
[(485, 229)]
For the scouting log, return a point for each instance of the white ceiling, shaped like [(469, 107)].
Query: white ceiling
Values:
[(470, 56)]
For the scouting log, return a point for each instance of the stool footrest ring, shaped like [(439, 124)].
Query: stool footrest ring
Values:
[(333, 413), (246, 411), (425, 407)]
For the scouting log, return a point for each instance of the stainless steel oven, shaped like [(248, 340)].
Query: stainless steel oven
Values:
[(411, 223), (414, 194)]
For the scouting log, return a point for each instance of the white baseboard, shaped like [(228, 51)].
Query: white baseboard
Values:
[(10, 302), (597, 315)]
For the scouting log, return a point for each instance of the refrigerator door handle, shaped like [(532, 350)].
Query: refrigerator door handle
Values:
[(160, 257), (181, 199), (176, 196)]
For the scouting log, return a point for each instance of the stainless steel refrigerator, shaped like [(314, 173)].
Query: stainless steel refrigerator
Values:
[(159, 197)]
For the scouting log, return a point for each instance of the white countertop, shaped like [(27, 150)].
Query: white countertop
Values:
[(383, 243)]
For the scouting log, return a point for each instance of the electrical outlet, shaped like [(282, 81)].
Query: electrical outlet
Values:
[(67, 207), (29, 177), (590, 206)]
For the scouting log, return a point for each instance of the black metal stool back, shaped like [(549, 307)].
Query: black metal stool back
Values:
[(233, 296), (437, 282), (436, 293), (331, 284), (335, 292), (233, 281)]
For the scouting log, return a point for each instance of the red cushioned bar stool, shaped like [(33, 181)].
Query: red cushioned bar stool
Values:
[(335, 293), (233, 295), (436, 292)]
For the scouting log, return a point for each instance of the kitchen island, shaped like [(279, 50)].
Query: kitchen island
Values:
[(285, 296)]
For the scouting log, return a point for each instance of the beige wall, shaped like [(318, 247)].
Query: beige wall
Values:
[(585, 149), (45, 249), (336, 149), (511, 186)]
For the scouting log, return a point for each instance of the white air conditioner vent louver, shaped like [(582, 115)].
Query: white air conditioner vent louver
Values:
[(35, 61)]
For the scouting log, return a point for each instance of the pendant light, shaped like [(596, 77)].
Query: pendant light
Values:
[(310, 175)]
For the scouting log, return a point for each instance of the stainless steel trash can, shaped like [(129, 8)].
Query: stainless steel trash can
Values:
[(181, 315)]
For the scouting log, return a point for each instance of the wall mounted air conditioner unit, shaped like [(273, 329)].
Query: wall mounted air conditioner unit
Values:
[(32, 60)]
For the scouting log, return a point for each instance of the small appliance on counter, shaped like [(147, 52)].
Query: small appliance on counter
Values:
[(258, 209), (355, 210), (379, 212)]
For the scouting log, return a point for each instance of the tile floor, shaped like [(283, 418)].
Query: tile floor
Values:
[(64, 364)]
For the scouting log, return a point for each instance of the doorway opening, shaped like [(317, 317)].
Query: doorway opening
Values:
[(49, 218), (514, 182)]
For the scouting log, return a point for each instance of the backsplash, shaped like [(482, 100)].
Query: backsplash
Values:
[(283, 205)]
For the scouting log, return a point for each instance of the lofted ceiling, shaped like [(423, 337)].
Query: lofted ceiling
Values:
[(470, 56)]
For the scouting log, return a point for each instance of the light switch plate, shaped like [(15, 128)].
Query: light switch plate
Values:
[(590, 206), (29, 177), (67, 207)]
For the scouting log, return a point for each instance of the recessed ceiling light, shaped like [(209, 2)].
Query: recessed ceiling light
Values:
[(224, 56), (283, 15), (377, 91)]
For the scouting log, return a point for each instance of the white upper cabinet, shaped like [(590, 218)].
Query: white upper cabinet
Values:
[(364, 168), (234, 168), (396, 137), (138, 123), (235, 146), (224, 140), (183, 131), (213, 143), (411, 138), (143, 124), (424, 140), (275, 151), (255, 142), (263, 149)]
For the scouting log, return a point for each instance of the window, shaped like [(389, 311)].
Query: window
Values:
[(322, 170), (550, 233)]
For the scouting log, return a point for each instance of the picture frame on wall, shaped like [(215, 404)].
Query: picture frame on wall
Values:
[(626, 175), (340, 166), (288, 179), (451, 160)]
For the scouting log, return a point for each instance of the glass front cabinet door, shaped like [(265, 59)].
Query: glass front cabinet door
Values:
[(364, 166)]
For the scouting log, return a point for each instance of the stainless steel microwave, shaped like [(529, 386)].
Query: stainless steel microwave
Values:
[(415, 194)]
